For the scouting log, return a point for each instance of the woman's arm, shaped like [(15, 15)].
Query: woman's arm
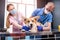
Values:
[(14, 22), (17, 25)]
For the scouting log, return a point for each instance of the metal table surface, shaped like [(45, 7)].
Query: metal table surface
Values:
[(6, 34)]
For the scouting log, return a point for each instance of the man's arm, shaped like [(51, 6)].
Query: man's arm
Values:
[(48, 23), (44, 27), (48, 27)]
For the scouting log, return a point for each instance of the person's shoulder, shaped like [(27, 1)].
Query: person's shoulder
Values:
[(50, 14)]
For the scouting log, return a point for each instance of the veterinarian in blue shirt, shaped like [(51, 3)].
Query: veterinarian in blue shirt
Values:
[(45, 15)]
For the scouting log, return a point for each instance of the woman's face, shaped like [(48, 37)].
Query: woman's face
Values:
[(12, 10), (11, 7)]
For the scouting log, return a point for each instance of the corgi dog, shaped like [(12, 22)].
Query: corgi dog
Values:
[(32, 23)]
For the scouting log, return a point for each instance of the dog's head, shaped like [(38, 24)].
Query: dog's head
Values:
[(31, 21)]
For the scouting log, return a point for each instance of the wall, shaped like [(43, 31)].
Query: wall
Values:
[(2, 10), (56, 14)]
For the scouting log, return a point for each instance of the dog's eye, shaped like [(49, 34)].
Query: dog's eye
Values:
[(24, 19), (28, 21), (32, 20), (35, 19)]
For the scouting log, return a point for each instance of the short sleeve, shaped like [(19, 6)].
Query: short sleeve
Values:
[(50, 18)]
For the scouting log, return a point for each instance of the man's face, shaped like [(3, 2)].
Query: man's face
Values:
[(49, 8)]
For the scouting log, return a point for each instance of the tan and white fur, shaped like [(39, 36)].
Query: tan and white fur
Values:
[(32, 22)]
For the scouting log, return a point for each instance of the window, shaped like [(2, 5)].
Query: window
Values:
[(15, 1), (24, 6), (29, 10), (28, 2)]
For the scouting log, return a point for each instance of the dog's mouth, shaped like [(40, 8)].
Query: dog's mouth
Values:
[(31, 25)]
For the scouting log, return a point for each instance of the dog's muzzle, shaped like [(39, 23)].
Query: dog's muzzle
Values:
[(31, 25)]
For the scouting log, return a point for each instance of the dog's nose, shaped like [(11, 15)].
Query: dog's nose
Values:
[(31, 25)]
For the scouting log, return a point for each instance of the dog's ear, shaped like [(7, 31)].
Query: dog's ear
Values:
[(36, 17), (24, 18)]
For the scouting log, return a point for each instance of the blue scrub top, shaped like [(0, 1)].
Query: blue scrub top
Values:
[(43, 18)]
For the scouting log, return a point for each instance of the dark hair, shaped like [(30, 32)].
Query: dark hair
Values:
[(8, 21), (9, 6)]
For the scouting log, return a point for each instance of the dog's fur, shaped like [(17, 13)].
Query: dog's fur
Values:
[(32, 23)]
